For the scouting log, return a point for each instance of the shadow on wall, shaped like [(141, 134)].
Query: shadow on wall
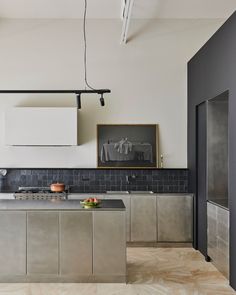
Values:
[(161, 28), (89, 116), (147, 23), (140, 31), (48, 100)]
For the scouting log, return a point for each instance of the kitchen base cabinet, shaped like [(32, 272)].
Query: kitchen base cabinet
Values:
[(126, 200), (124, 197), (42, 242), (61, 242), (143, 218), (175, 218), (109, 240), (12, 243), (76, 241), (154, 219)]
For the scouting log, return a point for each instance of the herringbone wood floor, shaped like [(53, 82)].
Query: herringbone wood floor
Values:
[(151, 271)]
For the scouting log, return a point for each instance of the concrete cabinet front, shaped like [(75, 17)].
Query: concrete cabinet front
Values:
[(42, 243), (124, 197), (154, 217), (60, 243), (68, 245), (109, 238), (143, 218), (126, 200), (12, 243), (76, 240), (175, 218)]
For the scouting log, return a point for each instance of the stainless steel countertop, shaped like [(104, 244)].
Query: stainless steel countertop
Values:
[(106, 205)]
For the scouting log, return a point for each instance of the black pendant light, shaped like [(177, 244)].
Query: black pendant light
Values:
[(77, 92), (87, 85)]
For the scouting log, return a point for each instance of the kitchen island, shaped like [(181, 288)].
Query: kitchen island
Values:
[(60, 241)]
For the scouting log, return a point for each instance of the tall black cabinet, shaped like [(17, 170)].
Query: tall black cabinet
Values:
[(211, 72)]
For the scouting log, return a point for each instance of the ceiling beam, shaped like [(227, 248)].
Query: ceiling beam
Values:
[(126, 15)]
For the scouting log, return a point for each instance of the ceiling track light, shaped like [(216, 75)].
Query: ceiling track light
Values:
[(102, 101), (77, 92), (86, 91), (87, 84), (78, 98)]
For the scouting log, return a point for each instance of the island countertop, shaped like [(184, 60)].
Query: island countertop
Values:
[(106, 205)]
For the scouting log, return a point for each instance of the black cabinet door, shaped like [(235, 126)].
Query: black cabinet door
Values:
[(201, 193)]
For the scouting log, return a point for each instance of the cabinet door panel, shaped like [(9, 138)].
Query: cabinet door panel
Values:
[(12, 243), (126, 201), (76, 233), (218, 237), (109, 244), (143, 218), (175, 218), (42, 242)]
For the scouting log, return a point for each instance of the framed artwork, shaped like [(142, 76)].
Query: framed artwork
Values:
[(127, 146)]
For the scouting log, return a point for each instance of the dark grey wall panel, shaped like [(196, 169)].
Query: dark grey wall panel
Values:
[(211, 72), (201, 205)]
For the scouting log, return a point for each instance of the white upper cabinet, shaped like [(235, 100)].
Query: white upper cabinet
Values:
[(41, 126)]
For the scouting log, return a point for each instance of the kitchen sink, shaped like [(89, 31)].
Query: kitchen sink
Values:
[(141, 192), (129, 192), (117, 192)]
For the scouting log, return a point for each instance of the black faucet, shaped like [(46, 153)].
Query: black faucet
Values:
[(130, 178)]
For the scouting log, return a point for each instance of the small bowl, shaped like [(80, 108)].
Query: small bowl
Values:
[(89, 205), (57, 187)]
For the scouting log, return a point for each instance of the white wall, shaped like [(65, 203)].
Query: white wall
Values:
[(148, 78)]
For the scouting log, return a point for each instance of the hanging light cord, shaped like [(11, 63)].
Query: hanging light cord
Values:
[(85, 47)]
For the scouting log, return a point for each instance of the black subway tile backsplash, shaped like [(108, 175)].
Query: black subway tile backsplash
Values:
[(98, 181)]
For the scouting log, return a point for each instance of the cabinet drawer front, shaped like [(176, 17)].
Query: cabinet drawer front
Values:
[(42, 242), (12, 243), (76, 234)]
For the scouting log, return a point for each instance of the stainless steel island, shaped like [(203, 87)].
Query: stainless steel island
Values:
[(60, 241)]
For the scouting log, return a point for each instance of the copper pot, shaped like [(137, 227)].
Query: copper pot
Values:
[(57, 187)]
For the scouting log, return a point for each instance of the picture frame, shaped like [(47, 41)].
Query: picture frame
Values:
[(127, 146)]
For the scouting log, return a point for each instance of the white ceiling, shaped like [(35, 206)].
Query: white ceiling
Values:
[(112, 8)]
